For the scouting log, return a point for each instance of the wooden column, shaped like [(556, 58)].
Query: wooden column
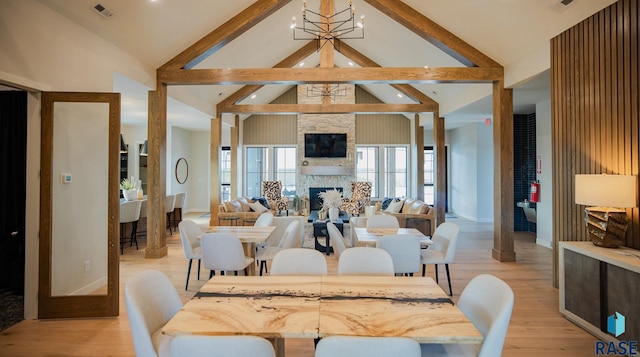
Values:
[(440, 168), (503, 173), (419, 157), (214, 174), (156, 173), (327, 8), (235, 140)]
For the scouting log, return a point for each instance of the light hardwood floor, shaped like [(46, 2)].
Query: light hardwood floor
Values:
[(536, 329)]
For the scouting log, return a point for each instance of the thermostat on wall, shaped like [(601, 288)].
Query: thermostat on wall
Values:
[(65, 178)]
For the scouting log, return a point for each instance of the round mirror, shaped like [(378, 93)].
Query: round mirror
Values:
[(182, 170)]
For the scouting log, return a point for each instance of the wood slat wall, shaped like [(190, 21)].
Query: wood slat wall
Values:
[(380, 128), (594, 90)]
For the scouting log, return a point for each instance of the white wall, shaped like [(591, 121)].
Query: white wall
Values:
[(199, 169), (544, 208), (471, 172), (79, 208)]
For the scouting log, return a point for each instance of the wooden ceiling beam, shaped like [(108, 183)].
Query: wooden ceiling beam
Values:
[(434, 33), (292, 109), (365, 61), (288, 62), (401, 75), (225, 33)]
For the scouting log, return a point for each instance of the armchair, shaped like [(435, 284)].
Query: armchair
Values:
[(272, 191), (360, 196)]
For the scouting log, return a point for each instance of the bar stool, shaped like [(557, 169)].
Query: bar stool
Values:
[(129, 213), (169, 204), (177, 208)]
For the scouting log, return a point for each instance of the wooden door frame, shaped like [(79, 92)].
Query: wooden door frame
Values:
[(78, 306)]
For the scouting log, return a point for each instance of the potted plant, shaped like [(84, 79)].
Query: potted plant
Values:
[(128, 188), (332, 199)]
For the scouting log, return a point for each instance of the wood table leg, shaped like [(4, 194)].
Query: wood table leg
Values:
[(250, 251), (278, 345)]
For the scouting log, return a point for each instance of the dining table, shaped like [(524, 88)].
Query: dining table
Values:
[(249, 236), (369, 236), (281, 307)]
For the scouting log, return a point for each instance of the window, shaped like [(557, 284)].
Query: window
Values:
[(386, 167), (225, 174), (270, 163), (429, 177), (367, 166)]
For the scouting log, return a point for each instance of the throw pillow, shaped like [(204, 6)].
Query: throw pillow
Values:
[(263, 201), (244, 205), (407, 205), (395, 206), (385, 202), (257, 207)]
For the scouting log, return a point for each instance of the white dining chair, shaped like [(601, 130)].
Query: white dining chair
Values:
[(299, 261), (181, 198), (189, 235), (129, 213), (442, 251), (289, 240), (365, 261), (404, 251), (336, 238), (264, 219), (169, 204), (221, 346), (355, 222), (359, 346), (151, 301), (487, 302), (224, 252), (382, 221)]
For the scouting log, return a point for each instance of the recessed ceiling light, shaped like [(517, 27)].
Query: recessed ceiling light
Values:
[(350, 63), (400, 95), (301, 64), (426, 66), (253, 96)]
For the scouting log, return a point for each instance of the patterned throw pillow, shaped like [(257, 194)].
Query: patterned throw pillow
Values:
[(385, 202)]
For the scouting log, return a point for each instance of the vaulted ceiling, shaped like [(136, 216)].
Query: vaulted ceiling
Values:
[(156, 31)]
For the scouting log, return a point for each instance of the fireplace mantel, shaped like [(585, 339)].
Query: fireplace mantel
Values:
[(327, 170)]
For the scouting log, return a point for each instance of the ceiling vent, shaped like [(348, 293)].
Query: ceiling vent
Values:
[(102, 11), (560, 6)]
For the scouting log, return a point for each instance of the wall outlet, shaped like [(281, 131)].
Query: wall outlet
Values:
[(87, 265)]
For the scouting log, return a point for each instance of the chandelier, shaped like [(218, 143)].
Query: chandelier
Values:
[(326, 90), (328, 28)]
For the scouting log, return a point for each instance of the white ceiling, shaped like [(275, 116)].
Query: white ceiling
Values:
[(156, 31)]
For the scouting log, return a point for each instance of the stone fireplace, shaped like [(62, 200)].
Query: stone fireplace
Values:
[(315, 202), (325, 173)]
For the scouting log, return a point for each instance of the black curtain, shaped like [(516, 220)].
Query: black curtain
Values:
[(13, 155)]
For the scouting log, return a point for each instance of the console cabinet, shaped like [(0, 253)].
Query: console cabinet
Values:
[(595, 283)]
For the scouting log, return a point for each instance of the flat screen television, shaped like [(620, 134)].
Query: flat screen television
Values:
[(325, 145)]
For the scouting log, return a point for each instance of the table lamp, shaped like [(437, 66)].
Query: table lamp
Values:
[(607, 196)]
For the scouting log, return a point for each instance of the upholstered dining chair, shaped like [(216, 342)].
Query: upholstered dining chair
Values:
[(365, 261), (224, 252), (404, 251), (359, 346), (339, 244), (382, 221), (129, 213), (442, 251), (487, 302), (151, 301), (289, 240), (169, 204), (360, 197), (264, 219), (221, 346), (181, 197), (189, 235), (299, 261), (272, 191)]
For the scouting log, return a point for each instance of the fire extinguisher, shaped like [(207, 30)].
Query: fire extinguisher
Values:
[(534, 194)]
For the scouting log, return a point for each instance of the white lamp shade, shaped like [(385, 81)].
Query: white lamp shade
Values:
[(606, 190)]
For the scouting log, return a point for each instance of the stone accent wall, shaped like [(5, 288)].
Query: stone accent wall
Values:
[(326, 123)]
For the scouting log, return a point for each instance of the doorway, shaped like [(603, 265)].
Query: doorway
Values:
[(429, 177), (13, 128)]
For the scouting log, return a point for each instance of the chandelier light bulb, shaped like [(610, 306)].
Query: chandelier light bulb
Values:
[(293, 22)]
